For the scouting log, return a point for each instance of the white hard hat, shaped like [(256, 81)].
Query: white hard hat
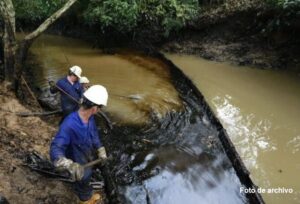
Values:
[(97, 94), (76, 70), (84, 80)]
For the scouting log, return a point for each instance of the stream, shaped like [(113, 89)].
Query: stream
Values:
[(165, 146), (260, 111)]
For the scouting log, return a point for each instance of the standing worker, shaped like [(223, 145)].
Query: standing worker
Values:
[(71, 90), (77, 143)]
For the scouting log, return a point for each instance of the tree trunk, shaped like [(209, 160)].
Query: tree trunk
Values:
[(25, 44), (9, 39), (15, 54)]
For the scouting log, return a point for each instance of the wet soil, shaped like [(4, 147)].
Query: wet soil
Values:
[(238, 35), (18, 136)]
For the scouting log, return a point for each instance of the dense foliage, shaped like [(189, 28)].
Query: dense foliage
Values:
[(285, 4), (118, 15), (36, 10), (146, 17), (287, 14), (125, 15)]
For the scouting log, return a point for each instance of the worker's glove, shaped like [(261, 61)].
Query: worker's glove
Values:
[(102, 153), (53, 88), (75, 169), (51, 83)]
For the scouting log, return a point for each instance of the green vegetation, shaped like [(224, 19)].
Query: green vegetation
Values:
[(36, 10), (169, 14), (122, 16), (286, 15), (285, 4), (154, 18), (126, 15)]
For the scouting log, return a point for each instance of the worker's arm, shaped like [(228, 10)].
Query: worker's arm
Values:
[(57, 153), (60, 142)]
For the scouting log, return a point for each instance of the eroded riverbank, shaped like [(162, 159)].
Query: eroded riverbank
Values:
[(18, 136)]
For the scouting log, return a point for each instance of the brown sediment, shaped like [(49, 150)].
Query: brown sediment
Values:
[(18, 136), (238, 35)]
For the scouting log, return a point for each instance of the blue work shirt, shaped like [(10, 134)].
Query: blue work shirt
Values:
[(68, 105), (76, 140)]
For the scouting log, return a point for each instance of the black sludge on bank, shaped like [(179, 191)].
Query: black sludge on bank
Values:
[(3, 200), (185, 157)]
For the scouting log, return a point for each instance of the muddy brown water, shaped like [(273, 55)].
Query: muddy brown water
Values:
[(163, 147), (260, 111), (120, 74)]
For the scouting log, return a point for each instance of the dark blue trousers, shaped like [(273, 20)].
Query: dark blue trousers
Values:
[(82, 188)]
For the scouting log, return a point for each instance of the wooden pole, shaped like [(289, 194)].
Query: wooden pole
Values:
[(31, 93), (100, 113)]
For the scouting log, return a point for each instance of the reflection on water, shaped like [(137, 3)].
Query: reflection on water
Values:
[(257, 132), (185, 178), (260, 110), (123, 75), (294, 144), (191, 168)]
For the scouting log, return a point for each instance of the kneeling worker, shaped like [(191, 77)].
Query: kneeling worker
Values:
[(77, 143)]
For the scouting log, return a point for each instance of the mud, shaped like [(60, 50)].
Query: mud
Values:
[(237, 35), (18, 136)]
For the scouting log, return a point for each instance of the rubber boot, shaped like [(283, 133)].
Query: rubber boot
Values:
[(93, 200)]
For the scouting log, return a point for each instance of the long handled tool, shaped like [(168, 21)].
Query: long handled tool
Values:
[(85, 166), (130, 97), (109, 123), (93, 163)]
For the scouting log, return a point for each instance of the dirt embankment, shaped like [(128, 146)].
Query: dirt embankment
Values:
[(19, 135), (237, 33)]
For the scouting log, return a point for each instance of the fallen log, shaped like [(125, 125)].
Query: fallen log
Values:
[(27, 114), (45, 113)]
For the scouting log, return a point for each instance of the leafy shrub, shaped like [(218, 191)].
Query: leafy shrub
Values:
[(170, 14), (118, 14), (126, 15), (285, 4), (287, 13), (36, 10)]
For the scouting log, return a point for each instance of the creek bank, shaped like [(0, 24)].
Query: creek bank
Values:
[(19, 136), (240, 36)]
